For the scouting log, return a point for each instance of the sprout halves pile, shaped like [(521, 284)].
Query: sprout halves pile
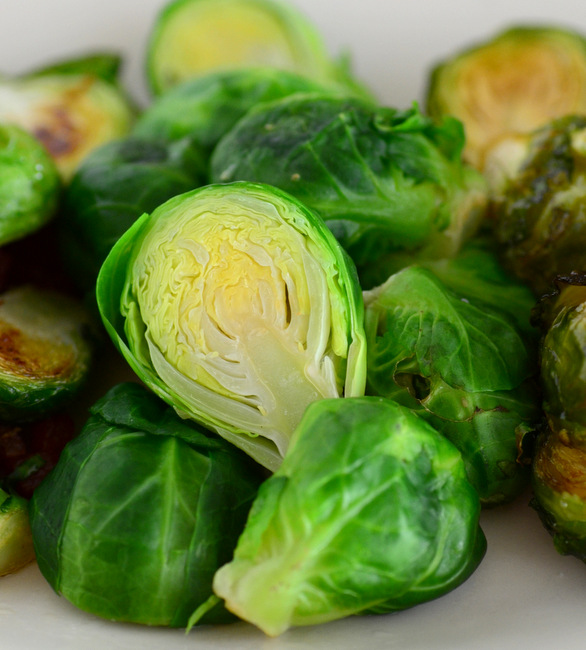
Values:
[(348, 327)]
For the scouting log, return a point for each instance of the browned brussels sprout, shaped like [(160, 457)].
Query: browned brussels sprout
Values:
[(71, 107), (539, 210), (45, 352), (559, 462), (521, 79)]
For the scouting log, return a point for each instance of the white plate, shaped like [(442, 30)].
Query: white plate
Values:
[(524, 595)]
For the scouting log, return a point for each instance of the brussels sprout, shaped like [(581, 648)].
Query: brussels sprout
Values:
[(29, 184), (463, 365), (193, 37), (207, 107), (370, 512), (538, 213), (45, 352), (16, 543), (559, 462), (113, 186), (139, 512), (69, 113), (386, 182), (237, 306), (513, 83)]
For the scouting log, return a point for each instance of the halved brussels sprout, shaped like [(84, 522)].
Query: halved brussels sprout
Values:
[(238, 307), (45, 352), (207, 107), (29, 184), (69, 113), (113, 186), (559, 462), (462, 364), (193, 37), (370, 513), (16, 542), (140, 511), (538, 211), (390, 184), (513, 83)]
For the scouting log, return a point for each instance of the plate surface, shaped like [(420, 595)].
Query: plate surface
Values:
[(524, 595)]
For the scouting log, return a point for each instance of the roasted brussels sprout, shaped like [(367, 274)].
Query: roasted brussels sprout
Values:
[(207, 107), (113, 186), (386, 182), (462, 364), (370, 512), (29, 184), (16, 542), (69, 110), (193, 37), (238, 307), (139, 512), (511, 84), (45, 352), (538, 210), (559, 461)]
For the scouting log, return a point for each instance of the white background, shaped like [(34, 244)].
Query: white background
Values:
[(523, 595)]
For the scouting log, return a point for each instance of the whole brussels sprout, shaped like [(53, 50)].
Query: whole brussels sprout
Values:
[(461, 363), (30, 187), (370, 513), (140, 510), (237, 306), (390, 184)]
